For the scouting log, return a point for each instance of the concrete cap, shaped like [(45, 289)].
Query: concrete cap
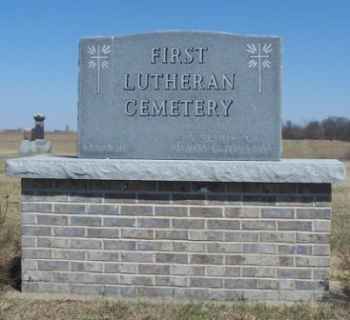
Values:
[(284, 171)]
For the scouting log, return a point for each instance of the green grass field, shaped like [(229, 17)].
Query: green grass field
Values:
[(14, 305)]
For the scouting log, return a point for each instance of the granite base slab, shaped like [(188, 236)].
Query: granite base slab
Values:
[(284, 171)]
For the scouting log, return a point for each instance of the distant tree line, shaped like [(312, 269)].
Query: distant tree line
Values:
[(331, 128)]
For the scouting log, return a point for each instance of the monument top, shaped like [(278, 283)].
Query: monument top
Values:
[(39, 116), (180, 95)]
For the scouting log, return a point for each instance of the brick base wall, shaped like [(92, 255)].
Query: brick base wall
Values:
[(221, 241)]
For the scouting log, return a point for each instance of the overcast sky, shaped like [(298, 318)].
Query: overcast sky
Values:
[(39, 49)]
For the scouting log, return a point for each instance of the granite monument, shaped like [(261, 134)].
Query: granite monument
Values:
[(164, 216), (180, 95)]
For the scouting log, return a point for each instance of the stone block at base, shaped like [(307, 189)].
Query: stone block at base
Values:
[(39, 146)]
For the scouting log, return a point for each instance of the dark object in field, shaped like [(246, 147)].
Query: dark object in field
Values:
[(38, 132)]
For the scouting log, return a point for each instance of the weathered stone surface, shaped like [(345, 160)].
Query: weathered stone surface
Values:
[(186, 95), (291, 170)]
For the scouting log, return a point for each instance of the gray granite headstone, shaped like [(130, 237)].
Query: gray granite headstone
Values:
[(34, 141), (180, 95)]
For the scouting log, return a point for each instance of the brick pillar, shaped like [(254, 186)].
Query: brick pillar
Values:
[(220, 241)]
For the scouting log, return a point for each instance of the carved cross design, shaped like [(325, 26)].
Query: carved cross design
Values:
[(98, 59), (259, 58)]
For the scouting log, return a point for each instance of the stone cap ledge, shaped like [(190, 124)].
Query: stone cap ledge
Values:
[(284, 171)]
